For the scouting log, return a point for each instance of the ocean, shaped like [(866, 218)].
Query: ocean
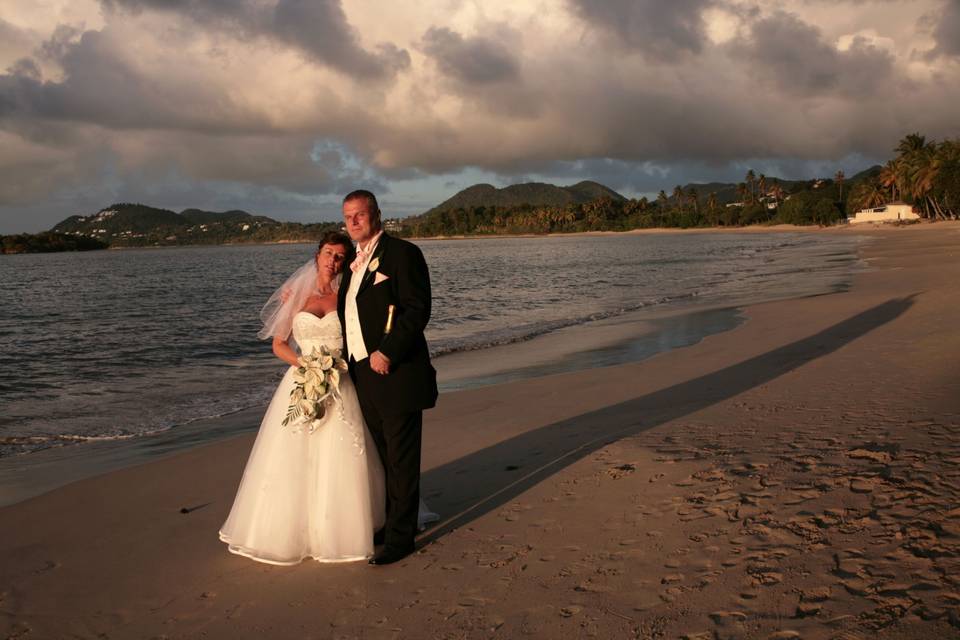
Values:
[(115, 345)]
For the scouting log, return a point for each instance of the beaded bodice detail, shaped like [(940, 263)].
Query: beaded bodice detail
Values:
[(312, 332)]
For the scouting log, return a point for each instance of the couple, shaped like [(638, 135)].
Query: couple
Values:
[(332, 493)]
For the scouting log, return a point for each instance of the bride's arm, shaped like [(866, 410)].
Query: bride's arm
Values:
[(283, 350)]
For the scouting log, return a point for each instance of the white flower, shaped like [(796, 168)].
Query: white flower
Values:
[(374, 264)]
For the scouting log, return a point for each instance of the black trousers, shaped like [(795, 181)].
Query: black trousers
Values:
[(398, 437)]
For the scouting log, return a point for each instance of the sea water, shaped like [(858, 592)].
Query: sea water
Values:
[(112, 345)]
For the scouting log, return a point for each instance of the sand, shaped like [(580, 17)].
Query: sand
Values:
[(794, 477)]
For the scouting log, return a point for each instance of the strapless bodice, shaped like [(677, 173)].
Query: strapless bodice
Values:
[(312, 332)]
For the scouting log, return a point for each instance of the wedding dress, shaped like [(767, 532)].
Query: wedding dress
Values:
[(313, 495)]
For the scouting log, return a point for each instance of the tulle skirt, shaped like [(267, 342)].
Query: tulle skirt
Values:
[(313, 495)]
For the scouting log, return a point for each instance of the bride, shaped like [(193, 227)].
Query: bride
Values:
[(309, 493)]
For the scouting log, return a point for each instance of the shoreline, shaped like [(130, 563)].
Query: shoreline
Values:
[(794, 474), (631, 337), (756, 228)]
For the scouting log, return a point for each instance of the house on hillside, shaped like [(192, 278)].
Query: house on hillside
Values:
[(890, 212)]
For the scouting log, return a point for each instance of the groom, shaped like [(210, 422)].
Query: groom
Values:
[(384, 306)]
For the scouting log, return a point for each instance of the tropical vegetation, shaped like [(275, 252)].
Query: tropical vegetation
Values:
[(924, 173), (47, 242)]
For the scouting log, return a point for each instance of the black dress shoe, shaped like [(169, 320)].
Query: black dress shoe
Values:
[(390, 555), (379, 537)]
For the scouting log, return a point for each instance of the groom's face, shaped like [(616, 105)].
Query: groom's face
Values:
[(362, 223)]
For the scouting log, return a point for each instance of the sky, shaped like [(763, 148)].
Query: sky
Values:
[(280, 107)]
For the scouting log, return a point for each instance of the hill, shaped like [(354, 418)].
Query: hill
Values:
[(137, 225), (536, 194), (198, 216)]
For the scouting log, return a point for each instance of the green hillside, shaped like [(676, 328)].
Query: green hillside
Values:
[(526, 194), (139, 225)]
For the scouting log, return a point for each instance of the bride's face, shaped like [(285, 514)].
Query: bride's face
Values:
[(330, 259)]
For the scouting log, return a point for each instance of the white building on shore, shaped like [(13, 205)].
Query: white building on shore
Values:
[(890, 212)]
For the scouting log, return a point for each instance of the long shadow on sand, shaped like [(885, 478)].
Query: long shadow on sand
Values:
[(487, 479)]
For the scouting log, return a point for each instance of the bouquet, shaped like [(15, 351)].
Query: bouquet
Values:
[(317, 380)]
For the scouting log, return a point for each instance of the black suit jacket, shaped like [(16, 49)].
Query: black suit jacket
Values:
[(412, 382)]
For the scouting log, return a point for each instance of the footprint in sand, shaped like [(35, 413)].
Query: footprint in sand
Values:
[(807, 609), (48, 565)]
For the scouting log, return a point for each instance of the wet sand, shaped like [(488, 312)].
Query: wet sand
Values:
[(794, 477)]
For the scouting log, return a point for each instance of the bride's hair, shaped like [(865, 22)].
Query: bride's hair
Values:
[(336, 238), (277, 314)]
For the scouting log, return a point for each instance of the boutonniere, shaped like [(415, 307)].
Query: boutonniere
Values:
[(373, 265)]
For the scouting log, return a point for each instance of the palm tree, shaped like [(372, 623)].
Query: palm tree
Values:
[(712, 206), (890, 178), (924, 167), (910, 143), (678, 197), (742, 191), (692, 195), (868, 194), (751, 181), (839, 177), (762, 186), (662, 201), (777, 192)]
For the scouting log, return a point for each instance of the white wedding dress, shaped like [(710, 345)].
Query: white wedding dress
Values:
[(313, 495)]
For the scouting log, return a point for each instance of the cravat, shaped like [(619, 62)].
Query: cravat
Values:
[(359, 260)]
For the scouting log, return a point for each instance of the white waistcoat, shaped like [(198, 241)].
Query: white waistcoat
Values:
[(351, 317)]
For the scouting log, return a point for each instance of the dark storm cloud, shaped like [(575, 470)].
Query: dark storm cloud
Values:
[(102, 87), (793, 55), (947, 30), (662, 29), (646, 178), (285, 177), (475, 60), (318, 28)]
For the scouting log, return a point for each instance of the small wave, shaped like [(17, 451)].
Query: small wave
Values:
[(61, 438), (523, 333), (26, 444)]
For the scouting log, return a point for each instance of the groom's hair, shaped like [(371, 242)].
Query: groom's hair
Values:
[(363, 194)]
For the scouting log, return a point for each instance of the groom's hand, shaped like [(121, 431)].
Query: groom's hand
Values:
[(379, 363)]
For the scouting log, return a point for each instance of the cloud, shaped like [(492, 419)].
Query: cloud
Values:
[(946, 32), (793, 55), (14, 41), (102, 84), (663, 29), (317, 28), (476, 60)]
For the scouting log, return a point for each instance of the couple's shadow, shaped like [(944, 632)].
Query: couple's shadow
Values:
[(487, 479)]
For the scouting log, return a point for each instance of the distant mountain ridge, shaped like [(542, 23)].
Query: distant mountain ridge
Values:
[(140, 218), (134, 224), (528, 193)]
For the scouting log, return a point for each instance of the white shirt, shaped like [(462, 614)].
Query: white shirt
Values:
[(351, 316)]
